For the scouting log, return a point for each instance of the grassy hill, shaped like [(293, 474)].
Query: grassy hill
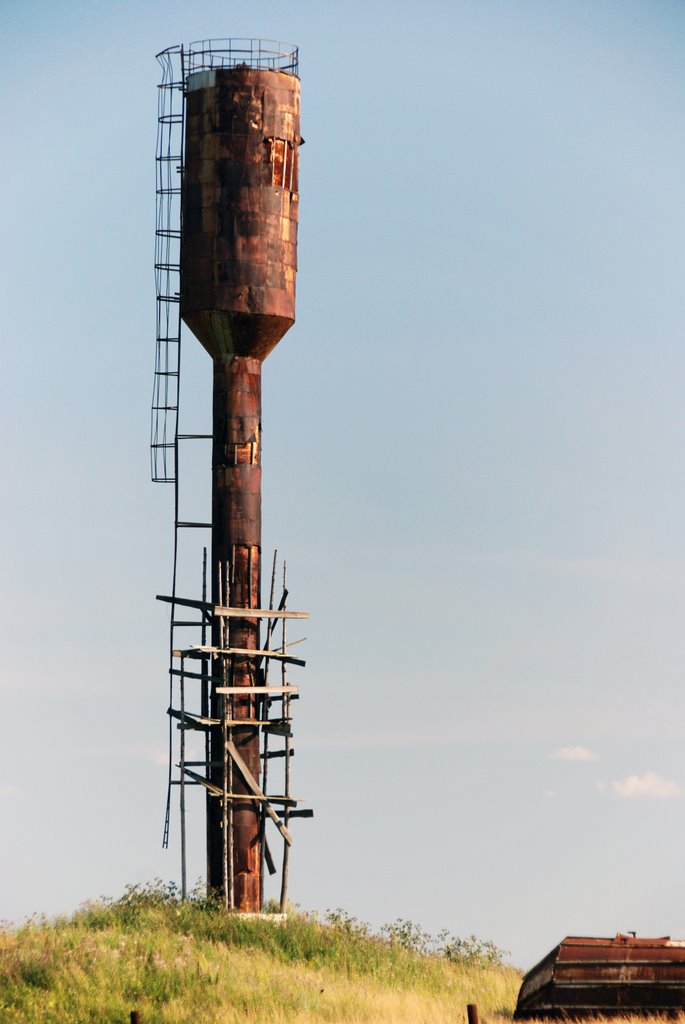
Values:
[(190, 963)]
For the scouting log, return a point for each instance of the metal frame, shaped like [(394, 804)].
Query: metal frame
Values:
[(263, 54)]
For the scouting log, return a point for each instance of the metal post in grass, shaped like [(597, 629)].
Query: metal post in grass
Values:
[(135, 1016), (472, 1013)]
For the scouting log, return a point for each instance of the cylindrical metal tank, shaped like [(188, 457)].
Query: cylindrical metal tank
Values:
[(240, 207), (238, 264)]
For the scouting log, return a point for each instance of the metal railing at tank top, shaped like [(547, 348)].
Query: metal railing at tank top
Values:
[(261, 54)]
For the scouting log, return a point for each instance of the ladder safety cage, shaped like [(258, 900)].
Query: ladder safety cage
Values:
[(169, 186)]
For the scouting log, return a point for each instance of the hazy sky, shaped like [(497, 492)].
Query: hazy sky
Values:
[(473, 459)]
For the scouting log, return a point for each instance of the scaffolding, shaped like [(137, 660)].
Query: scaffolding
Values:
[(191, 691)]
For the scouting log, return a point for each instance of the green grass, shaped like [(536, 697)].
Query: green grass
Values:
[(188, 961)]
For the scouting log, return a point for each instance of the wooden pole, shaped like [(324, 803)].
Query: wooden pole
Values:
[(184, 884), (265, 766), (286, 717), (204, 709), (472, 1013)]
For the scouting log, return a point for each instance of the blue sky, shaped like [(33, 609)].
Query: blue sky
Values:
[(473, 460)]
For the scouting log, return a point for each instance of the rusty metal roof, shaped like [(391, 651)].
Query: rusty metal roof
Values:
[(585, 976)]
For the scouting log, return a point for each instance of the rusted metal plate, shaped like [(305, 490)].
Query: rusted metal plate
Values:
[(584, 977)]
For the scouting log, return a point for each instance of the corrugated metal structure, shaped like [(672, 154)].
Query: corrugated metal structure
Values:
[(584, 977), (226, 256)]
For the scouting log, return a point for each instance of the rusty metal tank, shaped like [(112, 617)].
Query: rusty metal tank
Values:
[(587, 977), (240, 208)]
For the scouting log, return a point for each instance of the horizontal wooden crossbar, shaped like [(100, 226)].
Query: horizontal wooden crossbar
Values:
[(257, 689), (241, 652), (225, 612)]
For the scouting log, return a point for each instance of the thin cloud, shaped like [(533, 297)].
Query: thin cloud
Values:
[(648, 786), (573, 753), (159, 757)]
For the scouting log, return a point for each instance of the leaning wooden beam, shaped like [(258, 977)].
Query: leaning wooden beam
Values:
[(291, 801), (214, 790), (264, 654), (233, 613), (251, 782), (204, 652), (193, 721)]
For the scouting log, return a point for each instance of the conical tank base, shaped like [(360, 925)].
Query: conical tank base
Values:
[(226, 334)]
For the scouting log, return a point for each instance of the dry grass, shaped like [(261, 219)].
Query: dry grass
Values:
[(179, 964)]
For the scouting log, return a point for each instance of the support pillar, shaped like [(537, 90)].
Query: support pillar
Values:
[(236, 558)]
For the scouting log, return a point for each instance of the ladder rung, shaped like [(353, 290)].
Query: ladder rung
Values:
[(194, 526), (195, 437)]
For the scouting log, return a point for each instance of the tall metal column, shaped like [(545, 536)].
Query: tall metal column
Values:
[(236, 563)]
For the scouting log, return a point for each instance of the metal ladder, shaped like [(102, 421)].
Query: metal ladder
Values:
[(169, 168)]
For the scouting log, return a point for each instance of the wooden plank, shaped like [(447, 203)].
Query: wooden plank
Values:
[(257, 613), (224, 612), (268, 858), (185, 602), (248, 721), (278, 728), (277, 655), (213, 789), (240, 651), (218, 791), (196, 651), (251, 782), (194, 721), (257, 689)]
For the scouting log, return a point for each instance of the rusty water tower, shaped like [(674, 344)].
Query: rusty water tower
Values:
[(228, 194)]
